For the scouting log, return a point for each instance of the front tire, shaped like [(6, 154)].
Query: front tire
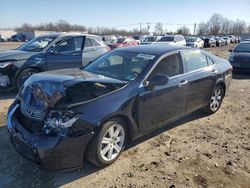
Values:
[(215, 100), (107, 146), (24, 75)]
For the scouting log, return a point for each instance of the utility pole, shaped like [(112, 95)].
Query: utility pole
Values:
[(148, 25), (194, 28), (140, 27)]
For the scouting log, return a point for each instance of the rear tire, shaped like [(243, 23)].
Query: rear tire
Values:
[(24, 75), (107, 146), (215, 100)]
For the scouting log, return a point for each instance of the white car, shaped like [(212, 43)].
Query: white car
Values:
[(227, 40), (175, 40), (195, 42)]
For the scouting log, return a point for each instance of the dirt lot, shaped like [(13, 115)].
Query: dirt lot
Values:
[(198, 151)]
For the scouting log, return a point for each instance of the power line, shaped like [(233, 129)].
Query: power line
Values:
[(146, 23)]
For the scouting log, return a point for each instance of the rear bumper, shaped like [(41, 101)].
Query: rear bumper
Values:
[(51, 153)]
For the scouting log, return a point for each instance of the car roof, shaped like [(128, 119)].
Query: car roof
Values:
[(245, 42), (151, 49), (67, 35)]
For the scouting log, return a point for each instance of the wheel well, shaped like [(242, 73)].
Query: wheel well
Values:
[(128, 125), (223, 85), (17, 74)]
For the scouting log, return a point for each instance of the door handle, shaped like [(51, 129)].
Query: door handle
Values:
[(182, 83)]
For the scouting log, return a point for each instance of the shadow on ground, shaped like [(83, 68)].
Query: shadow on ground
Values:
[(15, 171), (7, 95)]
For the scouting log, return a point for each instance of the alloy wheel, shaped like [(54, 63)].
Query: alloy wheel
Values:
[(216, 99), (112, 142)]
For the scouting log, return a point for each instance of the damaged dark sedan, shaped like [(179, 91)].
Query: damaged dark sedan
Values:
[(60, 118)]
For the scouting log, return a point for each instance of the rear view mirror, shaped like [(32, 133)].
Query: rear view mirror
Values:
[(157, 80)]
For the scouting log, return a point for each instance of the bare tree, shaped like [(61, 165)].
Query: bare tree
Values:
[(225, 26), (25, 28), (183, 30), (159, 28), (239, 27), (202, 28), (214, 23)]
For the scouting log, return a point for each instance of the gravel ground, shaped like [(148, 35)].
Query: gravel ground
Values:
[(197, 151)]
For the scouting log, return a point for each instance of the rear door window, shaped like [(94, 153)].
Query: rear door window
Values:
[(87, 43), (169, 66), (94, 43), (69, 45)]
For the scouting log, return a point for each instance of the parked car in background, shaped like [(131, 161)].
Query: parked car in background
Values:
[(227, 40), (109, 38), (220, 41), (122, 42), (137, 38), (45, 53), (2, 40), (175, 40), (237, 39), (59, 117), (150, 39), (17, 38), (240, 57), (209, 41), (232, 38), (194, 42)]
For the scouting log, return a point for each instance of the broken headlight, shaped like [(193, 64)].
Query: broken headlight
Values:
[(59, 122)]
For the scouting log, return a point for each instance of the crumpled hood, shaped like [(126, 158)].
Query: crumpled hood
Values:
[(65, 86), (15, 55)]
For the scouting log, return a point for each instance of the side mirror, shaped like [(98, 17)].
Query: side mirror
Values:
[(230, 50), (157, 80)]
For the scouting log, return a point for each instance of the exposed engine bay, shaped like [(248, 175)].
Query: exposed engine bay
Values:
[(47, 103)]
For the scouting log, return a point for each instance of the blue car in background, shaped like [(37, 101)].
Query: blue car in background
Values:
[(49, 52)]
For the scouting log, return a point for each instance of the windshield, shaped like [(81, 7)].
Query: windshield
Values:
[(120, 40), (191, 39), (125, 66), (243, 47), (168, 39), (37, 44), (149, 39)]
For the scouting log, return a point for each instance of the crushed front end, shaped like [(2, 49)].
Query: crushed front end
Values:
[(55, 139)]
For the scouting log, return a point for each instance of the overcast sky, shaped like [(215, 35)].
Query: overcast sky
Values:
[(119, 14)]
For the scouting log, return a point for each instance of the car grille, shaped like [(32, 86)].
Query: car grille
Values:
[(32, 112)]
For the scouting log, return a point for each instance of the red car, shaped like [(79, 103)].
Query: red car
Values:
[(121, 42)]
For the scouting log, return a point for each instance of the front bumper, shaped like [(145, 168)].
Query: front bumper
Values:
[(51, 153)]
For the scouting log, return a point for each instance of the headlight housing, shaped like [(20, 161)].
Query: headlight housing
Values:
[(58, 123)]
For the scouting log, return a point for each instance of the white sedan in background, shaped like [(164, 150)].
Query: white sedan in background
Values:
[(195, 42)]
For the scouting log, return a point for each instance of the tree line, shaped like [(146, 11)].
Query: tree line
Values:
[(217, 24)]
